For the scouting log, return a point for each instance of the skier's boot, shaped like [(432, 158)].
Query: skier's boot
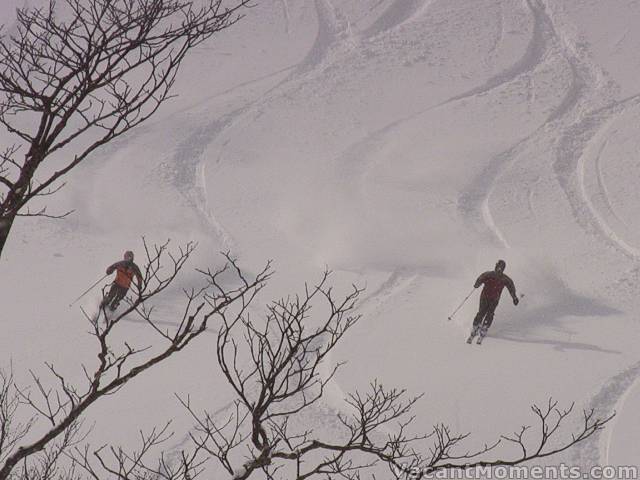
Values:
[(474, 332), (482, 334)]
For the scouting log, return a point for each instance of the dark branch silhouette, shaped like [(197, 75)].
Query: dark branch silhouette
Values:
[(118, 363), (79, 73), (278, 368)]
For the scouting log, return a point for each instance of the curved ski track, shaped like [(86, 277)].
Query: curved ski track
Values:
[(609, 400), (587, 109), (570, 129)]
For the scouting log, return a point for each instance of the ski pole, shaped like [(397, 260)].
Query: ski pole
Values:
[(88, 290), (460, 306)]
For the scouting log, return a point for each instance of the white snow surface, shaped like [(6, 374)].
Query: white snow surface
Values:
[(406, 145)]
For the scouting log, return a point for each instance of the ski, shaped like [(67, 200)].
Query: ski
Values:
[(474, 332), (483, 333)]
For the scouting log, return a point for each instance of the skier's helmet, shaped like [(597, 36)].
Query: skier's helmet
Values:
[(500, 266), (128, 256)]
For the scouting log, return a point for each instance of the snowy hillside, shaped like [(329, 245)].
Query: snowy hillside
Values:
[(407, 145)]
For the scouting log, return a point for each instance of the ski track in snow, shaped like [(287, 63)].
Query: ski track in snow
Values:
[(632, 374), (189, 176), (332, 26), (575, 118), (532, 57), (188, 155), (333, 30), (287, 15), (602, 188), (570, 169), (578, 129), (357, 158), (610, 399), (544, 43), (397, 281), (237, 87), (397, 14), (187, 165), (579, 124), (581, 127), (473, 203), (572, 129), (500, 36), (591, 217)]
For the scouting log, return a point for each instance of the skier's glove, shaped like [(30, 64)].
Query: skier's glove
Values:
[(516, 301)]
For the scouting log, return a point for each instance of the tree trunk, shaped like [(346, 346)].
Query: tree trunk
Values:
[(6, 222)]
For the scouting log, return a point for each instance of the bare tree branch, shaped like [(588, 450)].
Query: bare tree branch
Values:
[(117, 364), (273, 367), (84, 72)]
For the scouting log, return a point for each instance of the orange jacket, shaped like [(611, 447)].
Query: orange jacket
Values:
[(125, 271)]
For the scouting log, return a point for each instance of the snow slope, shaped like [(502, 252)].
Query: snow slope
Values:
[(406, 144)]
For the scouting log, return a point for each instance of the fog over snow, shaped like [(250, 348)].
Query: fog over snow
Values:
[(407, 145)]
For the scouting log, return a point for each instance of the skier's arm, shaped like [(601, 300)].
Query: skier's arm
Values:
[(112, 268), (138, 275), (481, 279), (512, 290)]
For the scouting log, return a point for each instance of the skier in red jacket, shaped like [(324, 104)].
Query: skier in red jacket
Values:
[(125, 271), (494, 282)]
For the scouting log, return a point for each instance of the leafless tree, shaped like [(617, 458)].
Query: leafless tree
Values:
[(277, 369), (32, 448), (78, 73), (447, 451)]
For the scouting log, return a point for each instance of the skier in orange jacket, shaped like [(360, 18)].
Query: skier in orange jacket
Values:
[(125, 270)]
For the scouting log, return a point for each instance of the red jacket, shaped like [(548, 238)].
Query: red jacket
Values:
[(494, 282), (125, 271)]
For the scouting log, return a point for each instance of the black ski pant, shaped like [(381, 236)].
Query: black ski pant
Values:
[(115, 295), (485, 313)]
